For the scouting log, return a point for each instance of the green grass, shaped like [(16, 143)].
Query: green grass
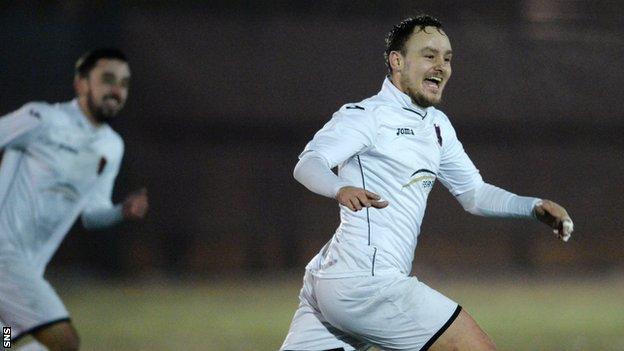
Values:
[(568, 315), (255, 315)]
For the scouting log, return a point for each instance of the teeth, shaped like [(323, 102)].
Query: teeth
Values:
[(437, 79)]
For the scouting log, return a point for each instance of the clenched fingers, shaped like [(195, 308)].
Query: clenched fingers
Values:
[(565, 229), (357, 198), (555, 216), (379, 204)]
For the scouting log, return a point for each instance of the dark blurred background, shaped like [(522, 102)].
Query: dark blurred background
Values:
[(225, 94)]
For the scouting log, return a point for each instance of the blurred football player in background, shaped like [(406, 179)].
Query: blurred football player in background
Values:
[(60, 161)]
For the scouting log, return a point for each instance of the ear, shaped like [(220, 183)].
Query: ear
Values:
[(396, 60), (81, 86)]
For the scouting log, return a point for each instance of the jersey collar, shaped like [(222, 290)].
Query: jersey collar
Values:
[(389, 91)]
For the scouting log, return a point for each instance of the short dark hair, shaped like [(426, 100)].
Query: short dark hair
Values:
[(400, 33), (86, 62)]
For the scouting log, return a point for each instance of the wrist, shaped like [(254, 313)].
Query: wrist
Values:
[(536, 203), (338, 186), (120, 211)]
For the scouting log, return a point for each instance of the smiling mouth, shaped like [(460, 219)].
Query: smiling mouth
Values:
[(433, 83), (111, 99)]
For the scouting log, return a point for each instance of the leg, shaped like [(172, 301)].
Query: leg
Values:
[(61, 336), (398, 313), (29, 305), (309, 330), (463, 334)]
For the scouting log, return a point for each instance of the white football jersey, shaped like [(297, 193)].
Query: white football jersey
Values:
[(396, 149), (55, 165)]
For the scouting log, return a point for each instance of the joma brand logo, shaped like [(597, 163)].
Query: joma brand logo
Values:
[(405, 131)]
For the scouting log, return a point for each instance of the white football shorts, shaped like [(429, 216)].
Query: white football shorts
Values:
[(392, 312), (27, 301)]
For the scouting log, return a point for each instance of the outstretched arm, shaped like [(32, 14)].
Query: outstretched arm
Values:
[(461, 177), (490, 201)]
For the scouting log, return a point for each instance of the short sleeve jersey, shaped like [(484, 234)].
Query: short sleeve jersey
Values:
[(55, 165), (392, 147)]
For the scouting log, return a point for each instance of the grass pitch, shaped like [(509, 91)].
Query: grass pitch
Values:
[(519, 314)]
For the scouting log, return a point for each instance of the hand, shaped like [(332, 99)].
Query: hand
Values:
[(135, 205), (556, 217), (357, 198)]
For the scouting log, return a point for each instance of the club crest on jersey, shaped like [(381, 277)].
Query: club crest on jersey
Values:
[(438, 134), (405, 131), (101, 165), (425, 177)]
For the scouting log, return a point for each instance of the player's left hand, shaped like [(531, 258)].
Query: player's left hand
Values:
[(555, 216), (135, 205)]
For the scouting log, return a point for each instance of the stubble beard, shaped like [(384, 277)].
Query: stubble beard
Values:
[(100, 113), (417, 97)]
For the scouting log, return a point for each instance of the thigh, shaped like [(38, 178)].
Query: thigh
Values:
[(57, 336), (392, 312), (27, 300), (310, 331), (463, 334)]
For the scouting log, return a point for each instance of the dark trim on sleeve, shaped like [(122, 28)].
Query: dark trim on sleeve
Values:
[(39, 327), (442, 330)]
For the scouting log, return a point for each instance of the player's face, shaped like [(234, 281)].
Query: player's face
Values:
[(106, 88), (426, 66)]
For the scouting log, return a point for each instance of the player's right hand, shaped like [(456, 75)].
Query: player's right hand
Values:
[(357, 198)]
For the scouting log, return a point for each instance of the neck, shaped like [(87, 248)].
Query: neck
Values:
[(396, 81), (84, 107)]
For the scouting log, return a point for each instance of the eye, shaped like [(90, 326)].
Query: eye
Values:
[(108, 79), (429, 57)]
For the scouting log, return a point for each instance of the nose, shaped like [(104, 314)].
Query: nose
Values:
[(118, 90), (440, 63)]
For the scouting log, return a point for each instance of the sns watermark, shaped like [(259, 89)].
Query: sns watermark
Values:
[(6, 337)]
